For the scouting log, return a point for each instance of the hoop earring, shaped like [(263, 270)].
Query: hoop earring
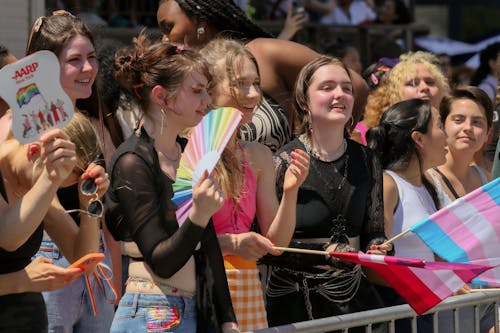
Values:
[(162, 120), (352, 122), (199, 33)]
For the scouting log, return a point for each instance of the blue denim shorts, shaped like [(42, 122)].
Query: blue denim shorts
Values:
[(155, 313)]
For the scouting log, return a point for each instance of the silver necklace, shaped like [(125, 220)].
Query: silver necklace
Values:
[(311, 152), (341, 150), (174, 159)]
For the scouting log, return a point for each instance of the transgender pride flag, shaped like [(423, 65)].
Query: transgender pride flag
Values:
[(422, 284), (468, 231)]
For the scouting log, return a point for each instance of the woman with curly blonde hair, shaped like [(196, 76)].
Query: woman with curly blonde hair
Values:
[(417, 75)]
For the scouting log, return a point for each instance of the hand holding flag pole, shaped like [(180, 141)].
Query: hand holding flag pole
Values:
[(477, 290), (353, 257), (466, 231), (422, 284), (398, 236), (297, 250)]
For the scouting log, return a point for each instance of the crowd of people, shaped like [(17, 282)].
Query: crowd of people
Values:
[(327, 156)]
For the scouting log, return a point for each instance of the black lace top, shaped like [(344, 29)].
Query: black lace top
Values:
[(269, 125), (333, 197), (139, 208)]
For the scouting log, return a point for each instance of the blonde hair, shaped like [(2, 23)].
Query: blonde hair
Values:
[(82, 133), (390, 92), (225, 57)]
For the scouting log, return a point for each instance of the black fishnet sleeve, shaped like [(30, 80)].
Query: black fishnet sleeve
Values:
[(148, 214), (373, 228)]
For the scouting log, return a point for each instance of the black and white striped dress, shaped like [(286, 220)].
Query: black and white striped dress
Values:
[(269, 125)]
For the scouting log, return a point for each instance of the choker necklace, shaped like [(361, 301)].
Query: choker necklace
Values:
[(311, 151), (328, 179)]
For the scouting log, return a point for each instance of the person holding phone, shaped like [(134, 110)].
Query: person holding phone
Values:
[(72, 308), (88, 262), (39, 275), (84, 305), (295, 20), (30, 175)]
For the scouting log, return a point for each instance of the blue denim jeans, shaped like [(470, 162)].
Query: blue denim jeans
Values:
[(155, 313), (68, 308)]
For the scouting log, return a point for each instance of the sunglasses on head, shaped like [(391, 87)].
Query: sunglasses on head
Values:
[(37, 25), (95, 208)]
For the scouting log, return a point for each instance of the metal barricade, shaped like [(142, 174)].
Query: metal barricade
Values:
[(391, 314)]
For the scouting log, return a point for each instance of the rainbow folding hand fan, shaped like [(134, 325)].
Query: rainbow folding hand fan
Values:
[(206, 143)]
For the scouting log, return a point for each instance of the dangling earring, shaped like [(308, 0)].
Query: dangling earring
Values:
[(199, 33), (352, 122), (309, 122), (162, 120)]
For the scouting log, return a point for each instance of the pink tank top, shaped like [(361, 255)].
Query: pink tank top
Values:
[(237, 217)]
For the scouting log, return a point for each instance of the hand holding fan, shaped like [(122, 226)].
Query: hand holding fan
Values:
[(206, 143)]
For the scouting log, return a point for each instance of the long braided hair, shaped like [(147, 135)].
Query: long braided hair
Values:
[(223, 15)]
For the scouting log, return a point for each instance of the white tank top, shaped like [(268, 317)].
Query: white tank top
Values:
[(414, 204)]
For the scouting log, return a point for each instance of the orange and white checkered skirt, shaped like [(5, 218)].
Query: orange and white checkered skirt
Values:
[(246, 293)]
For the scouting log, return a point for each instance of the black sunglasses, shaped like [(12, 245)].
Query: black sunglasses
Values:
[(95, 208), (37, 25)]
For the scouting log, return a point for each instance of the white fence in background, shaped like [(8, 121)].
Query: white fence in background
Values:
[(391, 314)]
